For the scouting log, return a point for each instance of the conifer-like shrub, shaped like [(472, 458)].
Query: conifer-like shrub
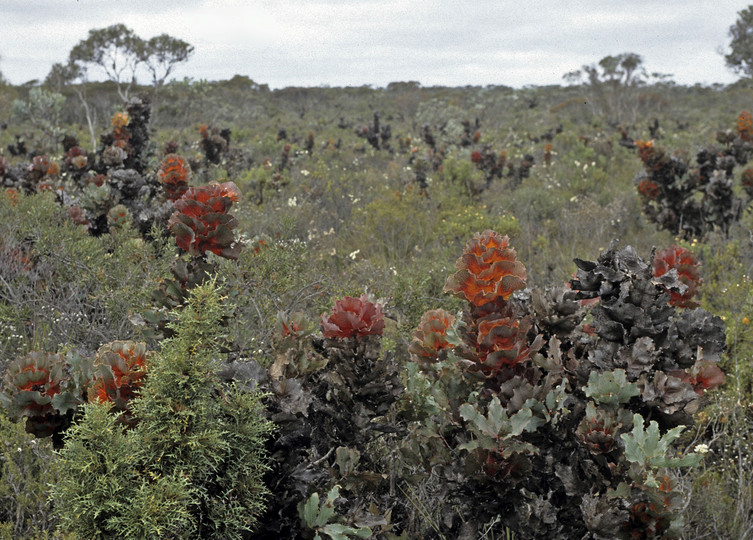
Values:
[(191, 467)]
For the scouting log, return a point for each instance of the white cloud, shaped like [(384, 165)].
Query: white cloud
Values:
[(355, 42)]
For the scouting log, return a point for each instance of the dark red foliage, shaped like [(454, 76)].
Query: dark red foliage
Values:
[(353, 317), (431, 335), (201, 223), (684, 262), (77, 215), (648, 188), (704, 377), (745, 126)]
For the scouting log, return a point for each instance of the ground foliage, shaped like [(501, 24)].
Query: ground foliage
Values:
[(544, 396)]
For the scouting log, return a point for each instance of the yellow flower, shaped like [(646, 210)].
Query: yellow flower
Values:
[(746, 320), (120, 120)]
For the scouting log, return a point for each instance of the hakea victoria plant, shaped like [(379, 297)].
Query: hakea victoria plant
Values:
[(313, 379), (174, 173), (690, 200), (521, 400), (201, 221), (120, 370), (45, 389)]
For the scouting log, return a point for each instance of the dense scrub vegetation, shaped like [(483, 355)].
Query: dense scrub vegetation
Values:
[(394, 313)]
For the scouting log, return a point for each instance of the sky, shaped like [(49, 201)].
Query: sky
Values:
[(374, 42)]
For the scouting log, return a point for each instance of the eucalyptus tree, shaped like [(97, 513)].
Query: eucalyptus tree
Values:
[(740, 57)]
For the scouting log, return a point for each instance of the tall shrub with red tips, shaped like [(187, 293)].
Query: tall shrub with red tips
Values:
[(201, 221), (174, 173), (487, 270)]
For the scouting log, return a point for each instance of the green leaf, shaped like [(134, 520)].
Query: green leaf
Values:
[(497, 416), (64, 401), (310, 510), (520, 421), (337, 531), (622, 490), (649, 448), (610, 388), (327, 509)]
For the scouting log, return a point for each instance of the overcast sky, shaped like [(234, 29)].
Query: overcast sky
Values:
[(356, 42)]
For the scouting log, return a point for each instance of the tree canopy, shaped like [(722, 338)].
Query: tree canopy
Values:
[(740, 57), (118, 51)]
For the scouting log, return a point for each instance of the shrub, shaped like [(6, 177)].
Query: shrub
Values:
[(691, 201), (45, 389), (190, 468), (201, 221), (26, 473), (533, 405)]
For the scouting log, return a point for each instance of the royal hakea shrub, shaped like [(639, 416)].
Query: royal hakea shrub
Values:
[(127, 143), (375, 133), (214, 142), (331, 396), (533, 417), (690, 200), (45, 389), (490, 162), (174, 173), (120, 370), (201, 221)]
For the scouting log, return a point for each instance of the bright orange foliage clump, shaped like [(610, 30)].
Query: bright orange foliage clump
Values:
[(120, 120), (745, 126), (120, 371), (174, 173), (431, 335), (488, 270)]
